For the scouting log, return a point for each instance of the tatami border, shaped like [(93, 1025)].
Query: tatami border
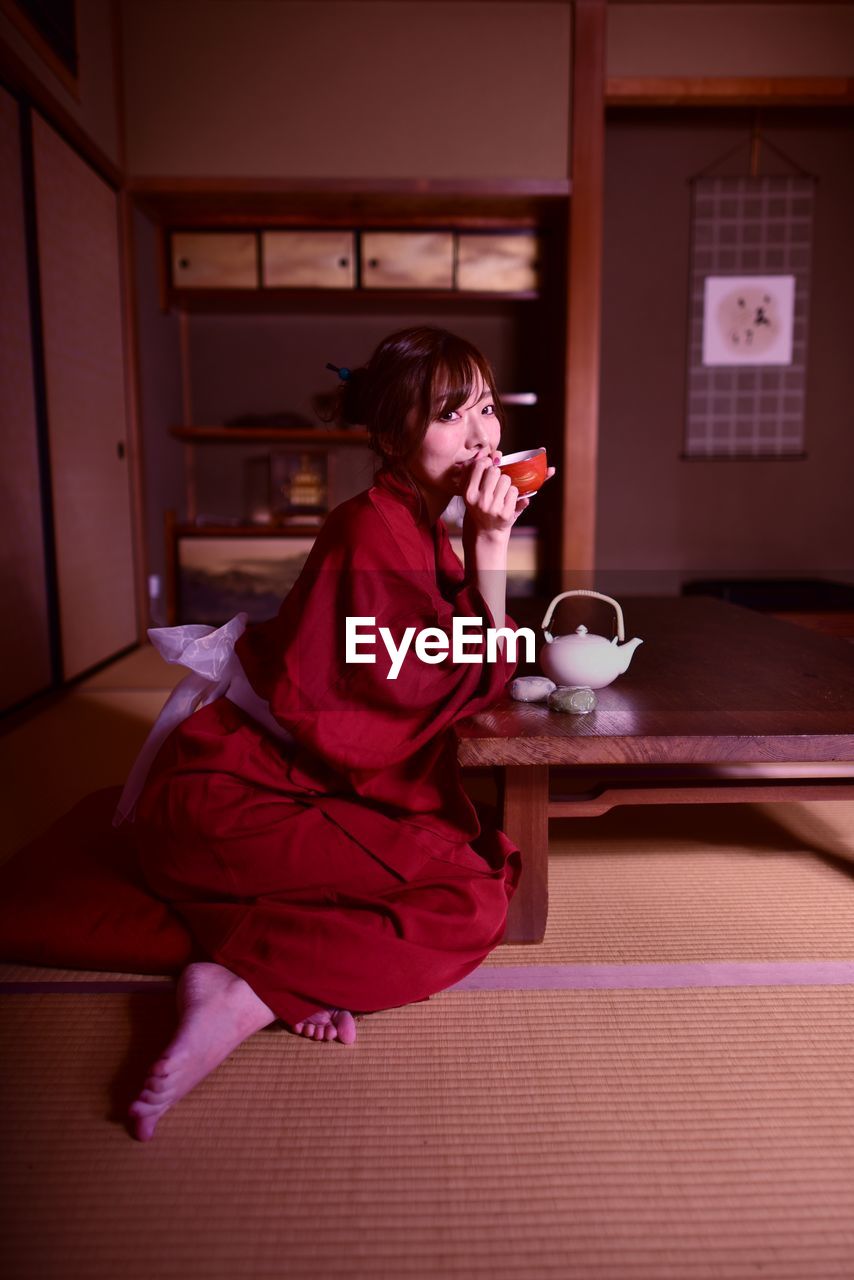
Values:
[(547, 977)]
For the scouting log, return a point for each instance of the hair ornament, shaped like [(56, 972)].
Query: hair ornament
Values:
[(343, 373)]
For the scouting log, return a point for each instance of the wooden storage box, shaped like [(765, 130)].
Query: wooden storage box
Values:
[(408, 260), (498, 263), (214, 260), (308, 259)]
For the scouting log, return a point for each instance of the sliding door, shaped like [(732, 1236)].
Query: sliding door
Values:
[(25, 661), (78, 252)]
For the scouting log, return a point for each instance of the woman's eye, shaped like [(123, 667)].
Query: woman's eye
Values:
[(450, 416), (488, 409)]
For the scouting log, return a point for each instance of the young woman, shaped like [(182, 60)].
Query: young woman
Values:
[(310, 826)]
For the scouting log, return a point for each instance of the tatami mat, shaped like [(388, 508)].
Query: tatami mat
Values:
[(604, 1136), (142, 669), (679, 884), (85, 740), (698, 1132)]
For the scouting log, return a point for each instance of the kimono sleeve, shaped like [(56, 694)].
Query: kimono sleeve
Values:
[(355, 716)]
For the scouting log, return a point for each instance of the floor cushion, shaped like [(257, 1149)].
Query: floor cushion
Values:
[(75, 898)]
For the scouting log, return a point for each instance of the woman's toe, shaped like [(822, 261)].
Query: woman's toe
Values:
[(345, 1026)]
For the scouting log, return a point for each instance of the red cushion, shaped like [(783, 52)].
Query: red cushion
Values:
[(75, 897)]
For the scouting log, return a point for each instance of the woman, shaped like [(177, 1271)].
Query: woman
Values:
[(311, 827)]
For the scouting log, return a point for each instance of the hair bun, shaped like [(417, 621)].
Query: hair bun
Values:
[(351, 393)]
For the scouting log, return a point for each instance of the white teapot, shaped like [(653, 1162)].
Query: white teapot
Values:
[(582, 660)]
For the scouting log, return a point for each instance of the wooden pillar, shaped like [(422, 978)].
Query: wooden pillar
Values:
[(525, 820), (587, 136)]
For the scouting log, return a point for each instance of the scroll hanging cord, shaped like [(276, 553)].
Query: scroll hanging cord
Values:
[(753, 141)]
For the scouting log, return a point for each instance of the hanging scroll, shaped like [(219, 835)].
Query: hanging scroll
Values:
[(749, 301)]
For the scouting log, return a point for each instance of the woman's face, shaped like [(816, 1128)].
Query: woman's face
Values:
[(451, 443)]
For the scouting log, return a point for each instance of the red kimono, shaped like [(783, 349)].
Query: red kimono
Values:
[(349, 869)]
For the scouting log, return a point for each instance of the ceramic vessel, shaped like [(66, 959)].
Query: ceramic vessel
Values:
[(527, 470), (582, 660)]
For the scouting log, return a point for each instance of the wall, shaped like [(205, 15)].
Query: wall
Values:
[(730, 39), (672, 518), (448, 89), (94, 108), (371, 90)]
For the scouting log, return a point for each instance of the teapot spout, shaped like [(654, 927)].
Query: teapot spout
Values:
[(625, 651)]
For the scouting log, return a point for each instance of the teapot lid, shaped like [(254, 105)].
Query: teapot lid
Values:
[(583, 635)]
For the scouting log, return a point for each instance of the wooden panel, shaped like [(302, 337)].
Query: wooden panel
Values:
[(408, 260), (25, 667), (728, 91), (214, 260), (503, 263), (309, 259), (77, 221), (578, 474)]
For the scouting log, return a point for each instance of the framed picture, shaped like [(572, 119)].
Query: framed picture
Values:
[(748, 320), (217, 577)]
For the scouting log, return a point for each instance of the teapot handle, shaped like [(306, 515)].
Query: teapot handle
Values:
[(621, 631)]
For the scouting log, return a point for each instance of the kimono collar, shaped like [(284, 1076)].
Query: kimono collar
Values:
[(399, 484), (407, 517)]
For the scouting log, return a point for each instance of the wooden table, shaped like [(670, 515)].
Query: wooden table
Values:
[(720, 703)]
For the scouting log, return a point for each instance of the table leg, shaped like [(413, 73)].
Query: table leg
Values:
[(525, 819)]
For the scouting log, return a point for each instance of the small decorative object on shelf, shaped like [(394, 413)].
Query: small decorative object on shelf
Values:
[(299, 485)]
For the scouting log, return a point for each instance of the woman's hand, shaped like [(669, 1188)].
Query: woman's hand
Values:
[(493, 503)]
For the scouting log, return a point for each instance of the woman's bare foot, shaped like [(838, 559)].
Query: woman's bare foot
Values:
[(328, 1024), (218, 1011)]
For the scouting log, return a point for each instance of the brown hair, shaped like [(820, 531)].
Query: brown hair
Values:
[(413, 377)]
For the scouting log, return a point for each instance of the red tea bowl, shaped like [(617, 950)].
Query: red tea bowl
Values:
[(527, 470)]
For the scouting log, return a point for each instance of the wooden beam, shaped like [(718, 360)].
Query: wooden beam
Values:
[(794, 791), (133, 396), (584, 291), (728, 91), (24, 83)]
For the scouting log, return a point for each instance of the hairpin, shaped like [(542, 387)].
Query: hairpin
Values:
[(343, 373)]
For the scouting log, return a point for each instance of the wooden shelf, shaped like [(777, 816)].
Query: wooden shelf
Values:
[(255, 435), (189, 530), (338, 202), (341, 301), (720, 91)]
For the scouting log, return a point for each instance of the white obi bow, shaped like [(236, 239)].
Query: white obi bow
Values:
[(215, 672)]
